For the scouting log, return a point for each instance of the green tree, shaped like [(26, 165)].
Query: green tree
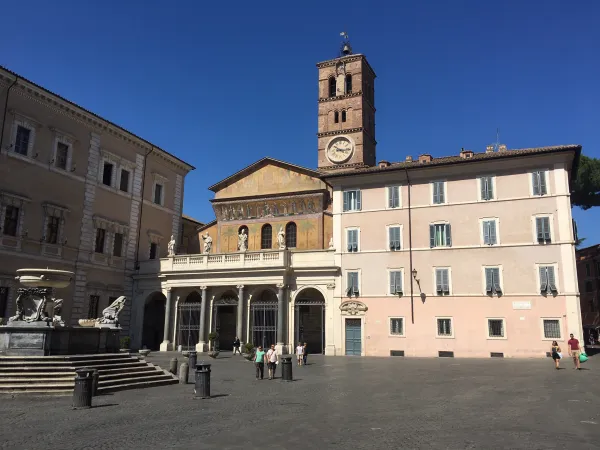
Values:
[(586, 188)]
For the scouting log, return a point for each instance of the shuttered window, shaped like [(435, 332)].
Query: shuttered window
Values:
[(442, 281), (542, 226), (538, 178), (352, 284), (396, 282), (352, 239), (440, 235), (547, 280), (492, 281), (438, 192), (352, 200), (444, 327), (489, 232), (487, 188), (393, 196), (397, 326), (394, 238)]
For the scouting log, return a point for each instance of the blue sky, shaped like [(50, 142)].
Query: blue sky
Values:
[(223, 84)]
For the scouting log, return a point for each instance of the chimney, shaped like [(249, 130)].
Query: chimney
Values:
[(466, 154), (425, 158), (383, 164), (409, 158), (502, 148), (489, 149)]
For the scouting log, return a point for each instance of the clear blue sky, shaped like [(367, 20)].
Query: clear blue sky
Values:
[(226, 83)]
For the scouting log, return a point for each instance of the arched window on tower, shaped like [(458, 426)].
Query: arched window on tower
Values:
[(332, 87), (344, 116), (266, 237), (348, 84), (290, 235), (336, 117)]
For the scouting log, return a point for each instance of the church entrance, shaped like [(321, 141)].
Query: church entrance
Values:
[(224, 321), (309, 314), (188, 321), (154, 321), (263, 313)]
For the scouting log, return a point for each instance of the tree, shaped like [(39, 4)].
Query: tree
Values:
[(586, 188)]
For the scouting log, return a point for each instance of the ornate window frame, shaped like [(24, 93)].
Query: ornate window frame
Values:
[(53, 210), (154, 237), (20, 120), (11, 199), (157, 178), (111, 226), (61, 137), (119, 163)]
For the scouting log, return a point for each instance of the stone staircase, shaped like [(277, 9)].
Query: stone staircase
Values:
[(56, 374)]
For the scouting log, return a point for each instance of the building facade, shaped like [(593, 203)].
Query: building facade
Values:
[(80, 193), (588, 274)]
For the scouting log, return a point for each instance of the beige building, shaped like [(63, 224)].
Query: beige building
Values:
[(80, 193)]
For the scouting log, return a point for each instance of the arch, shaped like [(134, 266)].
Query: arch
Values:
[(154, 320), (332, 86), (309, 318), (344, 114), (336, 117), (309, 295), (224, 321), (266, 236), (348, 83), (291, 235), (193, 297), (263, 317)]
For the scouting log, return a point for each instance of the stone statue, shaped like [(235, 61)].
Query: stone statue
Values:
[(171, 246), (281, 238), (331, 243), (207, 242), (110, 315), (243, 241), (31, 305), (57, 320)]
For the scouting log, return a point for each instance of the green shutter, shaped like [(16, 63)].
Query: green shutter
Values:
[(346, 200), (535, 179), (358, 200), (492, 227), (486, 232), (543, 279), (542, 177), (431, 236), (489, 280), (496, 281), (448, 236), (551, 280)]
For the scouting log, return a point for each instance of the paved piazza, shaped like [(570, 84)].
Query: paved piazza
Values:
[(335, 403)]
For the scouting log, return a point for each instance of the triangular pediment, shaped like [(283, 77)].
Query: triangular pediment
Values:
[(268, 177)]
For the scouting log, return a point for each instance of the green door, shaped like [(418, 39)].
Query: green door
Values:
[(353, 337)]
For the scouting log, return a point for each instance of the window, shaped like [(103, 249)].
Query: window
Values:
[(442, 281), (52, 229), (352, 240), (348, 84), (266, 237), (124, 184), (100, 238), (489, 232), (107, 174), (440, 235), (438, 192), (487, 188), (551, 328), (62, 155), (158, 194), (336, 117), (542, 228), (352, 200), (393, 194), (118, 245), (343, 115), (496, 328), (444, 327), (588, 270), (352, 284), (394, 238), (290, 235), (396, 282), (397, 326), (3, 301), (492, 281), (11, 221), (588, 286), (93, 306), (153, 250), (547, 280), (538, 180), (22, 140), (332, 87)]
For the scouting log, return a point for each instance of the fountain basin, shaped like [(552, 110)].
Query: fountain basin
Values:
[(49, 278)]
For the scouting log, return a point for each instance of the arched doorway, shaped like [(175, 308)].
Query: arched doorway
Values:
[(188, 323), (154, 321), (309, 318), (263, 316), (224, 320)]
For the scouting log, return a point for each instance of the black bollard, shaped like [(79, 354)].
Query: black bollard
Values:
[(202, 386), (95, 381), (173, 366), (192, 360), (82, 394), (286, 368), (184, 371)]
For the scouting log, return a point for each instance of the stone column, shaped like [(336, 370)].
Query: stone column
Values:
[(166, 343), (240, 313), (201, 347), (281, 319)]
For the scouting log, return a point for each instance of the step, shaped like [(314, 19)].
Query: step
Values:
[(144, 373), (65, 357), (56, 392), (35, 375), (24, 386), (104, 372), (137, 385), (32, 381), (35, 364), (36, 369), (157, 374)]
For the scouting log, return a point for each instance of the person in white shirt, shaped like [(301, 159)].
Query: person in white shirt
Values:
[(272, 361), (300, 353)]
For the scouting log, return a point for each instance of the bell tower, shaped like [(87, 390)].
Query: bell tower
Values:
[(346, 130)]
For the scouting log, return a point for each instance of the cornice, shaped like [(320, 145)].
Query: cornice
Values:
[(335, 132), (340, 97), (282, 196), (346, 59), (344, 167)]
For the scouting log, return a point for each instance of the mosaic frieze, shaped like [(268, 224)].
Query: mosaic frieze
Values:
[(268, 208)]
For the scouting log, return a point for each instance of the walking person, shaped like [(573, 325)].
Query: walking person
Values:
[(236, 346), (556, 354), (574, 351), (304, 353), (259, 362), (300, 353), (272, 361)]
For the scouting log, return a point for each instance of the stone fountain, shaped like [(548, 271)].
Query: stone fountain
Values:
[(37, 328)]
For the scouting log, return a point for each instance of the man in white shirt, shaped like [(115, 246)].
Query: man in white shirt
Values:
[(300, 353), (272, 362)]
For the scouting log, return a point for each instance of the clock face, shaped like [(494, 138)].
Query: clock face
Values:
[(340, 149)]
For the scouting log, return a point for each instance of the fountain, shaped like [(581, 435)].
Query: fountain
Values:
[(37, 328)]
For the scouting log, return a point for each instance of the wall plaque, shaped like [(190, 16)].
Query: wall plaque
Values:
[(521, 305)]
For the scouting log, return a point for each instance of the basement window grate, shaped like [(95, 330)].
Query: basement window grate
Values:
[(396, 352), (497, 355), (446, 354)]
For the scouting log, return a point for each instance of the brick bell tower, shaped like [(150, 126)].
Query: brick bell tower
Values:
[(346, 133)]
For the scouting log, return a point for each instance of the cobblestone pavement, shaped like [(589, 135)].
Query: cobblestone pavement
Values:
[(334, 403)]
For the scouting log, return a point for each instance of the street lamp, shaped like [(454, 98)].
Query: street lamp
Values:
[(414, 274)]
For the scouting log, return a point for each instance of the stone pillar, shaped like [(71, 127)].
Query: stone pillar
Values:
[(280, 314), (201, 347), (166, 343), (240, 313)]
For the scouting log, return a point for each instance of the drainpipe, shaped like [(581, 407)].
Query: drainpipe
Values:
[(6, 110), (410, 255), (137, 253)]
